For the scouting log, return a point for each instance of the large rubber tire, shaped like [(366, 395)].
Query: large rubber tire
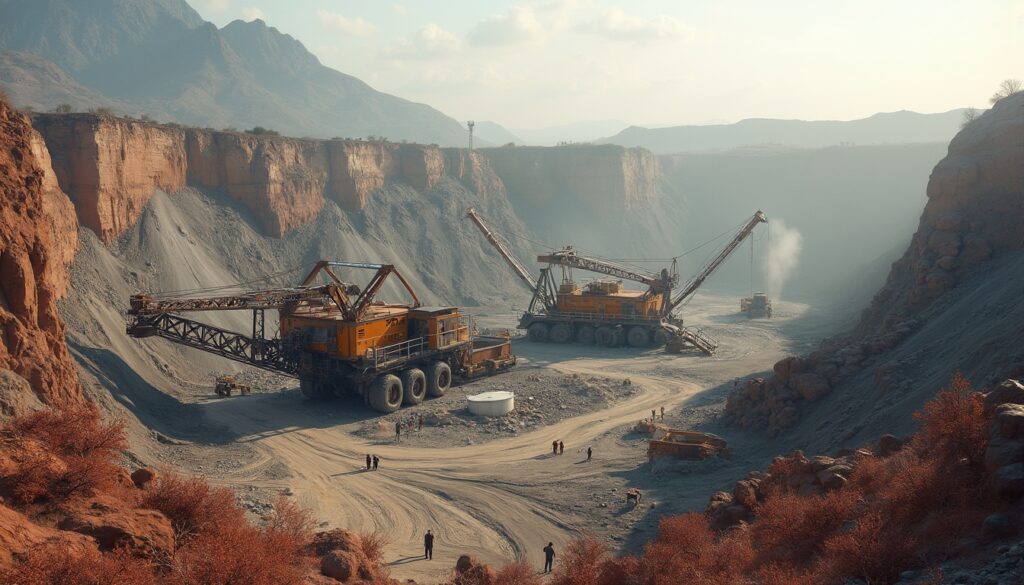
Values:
[(560, 333), (538, 332), (414, 386), (661, 337), (605, 336), (385, 394), (638, 337), (439, 379), (585, 335), (314, 388)]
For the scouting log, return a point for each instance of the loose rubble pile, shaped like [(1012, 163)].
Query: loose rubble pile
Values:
[(773, 404), (541, 399), (1004, 457)]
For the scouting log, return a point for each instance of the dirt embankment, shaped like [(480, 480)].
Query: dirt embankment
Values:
[(945, 306), (38, 240)]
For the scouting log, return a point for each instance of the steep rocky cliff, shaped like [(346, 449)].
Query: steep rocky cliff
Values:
[(951, 303), (112, 166), (38, 239)]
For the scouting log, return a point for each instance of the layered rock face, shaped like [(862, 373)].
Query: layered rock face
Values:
[(112, 166), (38, 240)]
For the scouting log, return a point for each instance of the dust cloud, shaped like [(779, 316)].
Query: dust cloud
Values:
[(784, 246)]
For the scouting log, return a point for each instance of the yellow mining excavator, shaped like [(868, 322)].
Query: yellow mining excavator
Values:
[(335, 337), (604, 312)]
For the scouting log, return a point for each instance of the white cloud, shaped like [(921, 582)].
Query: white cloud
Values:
[(429, 42), (400, 9), (520, 25), (617, 25), (251, 13), (353, 25), (208, 6)]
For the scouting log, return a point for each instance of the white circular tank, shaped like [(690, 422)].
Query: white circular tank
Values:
[(497, 403)]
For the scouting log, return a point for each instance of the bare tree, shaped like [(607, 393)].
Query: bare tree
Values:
[(1007, 88), (970, 115)]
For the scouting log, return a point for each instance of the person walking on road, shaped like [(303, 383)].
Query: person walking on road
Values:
[(369, 462), (376, 462), (654, 415), (561, 448), (549, 556), (662, 413), (398, 432), (590, 453), (554, 447), (428, 545)]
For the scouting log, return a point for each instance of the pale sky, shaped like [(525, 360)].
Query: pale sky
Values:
[(535, 63)]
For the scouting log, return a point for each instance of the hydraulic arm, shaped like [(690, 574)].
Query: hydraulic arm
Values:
[(695, 282)]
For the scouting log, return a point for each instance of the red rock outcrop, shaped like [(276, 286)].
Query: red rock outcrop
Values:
[(18, 535), (112, 166), (38, 241)]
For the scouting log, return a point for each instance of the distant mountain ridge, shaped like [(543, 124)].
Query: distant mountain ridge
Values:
[(901, 127), (160, 58)]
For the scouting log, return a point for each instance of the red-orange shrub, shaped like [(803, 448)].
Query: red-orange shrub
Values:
[(518, 572), (580, 562), (53, 565), (790, 528), (687, 548), (192, 505), (875, 550), (78, 453), (372, 544), (953, 424)]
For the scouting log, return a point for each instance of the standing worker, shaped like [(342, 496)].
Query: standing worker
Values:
[(561, 448), (376, 462), (662, 413), (549, 556), (654, 415), (369, 462), (554, 447), (590, 453), (428, 545), (398, 432)]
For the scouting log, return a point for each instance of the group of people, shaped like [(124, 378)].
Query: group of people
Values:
[(409, 424), (372, 462), (558, 448)]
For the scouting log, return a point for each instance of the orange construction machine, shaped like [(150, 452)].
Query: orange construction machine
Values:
[(336, 338), (603, 312)]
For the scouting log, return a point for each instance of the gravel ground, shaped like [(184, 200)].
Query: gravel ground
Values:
[(542, 398)]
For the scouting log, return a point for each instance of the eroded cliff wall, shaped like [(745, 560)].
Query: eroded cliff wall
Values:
[(38, 240), (112, 166)]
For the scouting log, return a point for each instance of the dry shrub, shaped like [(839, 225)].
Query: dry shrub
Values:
[(372, 544), (687, 547), (52, 565), (290, 520), (953, 424), (76, 455), (518, 572), (580, 563), (192, 505), (874, 550), (790, 528)]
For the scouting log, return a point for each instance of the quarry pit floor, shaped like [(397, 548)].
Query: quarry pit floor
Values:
[(507, 496)]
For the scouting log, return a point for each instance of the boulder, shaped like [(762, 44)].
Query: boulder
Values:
[(834, 477), (889, 444), (112, 524), (337, 539), (1009, 421), (745, 492), (997, 526), (811, 386), (1002, 452), (1008, 481), (465, 563), (339, 565), (1008, 392), (143, 476)]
